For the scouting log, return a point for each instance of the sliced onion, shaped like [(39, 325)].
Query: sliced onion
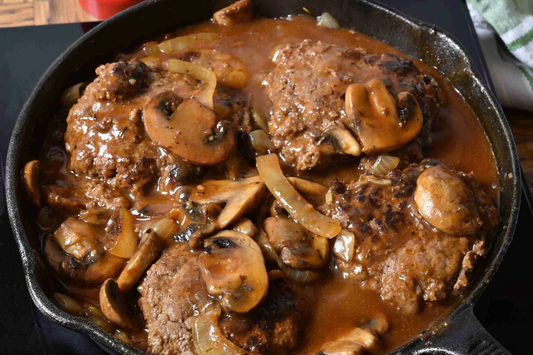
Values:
[(299, 209), (261, 142), (164, 227), (71, 95), (327, 20), (344, 245), (152, 60), (127, 239), (256, 115), (301, 276), (207, 337), (150, 48), (123, 337), (186, 43), (384, 164), (371, 179), (69, 304), (206, 76)]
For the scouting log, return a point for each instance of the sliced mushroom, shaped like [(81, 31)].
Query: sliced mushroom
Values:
[(296, 275), (152, 207), (78, 238), (237, 12), (75, 252), (297, 247), (446, 202), (188, 129), (59, 197), (381, 123), (232, 266), (31, 182), (343, 141), (245, 226), (140, 261), (239, 196), (113, 307), (122, 240), (361, 340)]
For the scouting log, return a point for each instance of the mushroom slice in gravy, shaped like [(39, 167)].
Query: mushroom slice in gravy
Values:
[(264, 186), (239, 197), (188, 129), (382, 123), (444, 200), (232, 266), (297, 247)]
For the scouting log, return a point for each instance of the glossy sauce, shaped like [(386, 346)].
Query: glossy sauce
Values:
[(460, 142)]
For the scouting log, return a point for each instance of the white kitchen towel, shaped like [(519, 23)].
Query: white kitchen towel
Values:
[(513, 78)]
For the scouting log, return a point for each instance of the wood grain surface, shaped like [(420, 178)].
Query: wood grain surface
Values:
[(14, 13)]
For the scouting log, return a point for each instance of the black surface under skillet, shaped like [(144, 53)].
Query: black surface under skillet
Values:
[(463, 335)]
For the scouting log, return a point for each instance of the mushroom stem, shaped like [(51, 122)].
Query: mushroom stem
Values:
[(140, 261), (112, 306)]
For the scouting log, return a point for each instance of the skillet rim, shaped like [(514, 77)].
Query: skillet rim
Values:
[(106, 339)]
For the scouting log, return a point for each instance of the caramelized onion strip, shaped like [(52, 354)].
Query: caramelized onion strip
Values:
[(261, 142), (127, 238), (70, 96), (299, 209), (207, 337), (186, 43), (206, 76)]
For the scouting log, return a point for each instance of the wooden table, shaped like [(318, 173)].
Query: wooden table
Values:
[(15, 13)]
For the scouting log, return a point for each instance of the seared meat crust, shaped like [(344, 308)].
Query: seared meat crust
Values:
[(398, 254), (272, 328), (106, 138), (307, 89), (170, 293), (173, 291)]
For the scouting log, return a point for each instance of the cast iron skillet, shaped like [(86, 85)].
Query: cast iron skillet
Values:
[(460, 333)]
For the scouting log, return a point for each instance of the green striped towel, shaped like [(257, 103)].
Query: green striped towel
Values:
[(513, 22)]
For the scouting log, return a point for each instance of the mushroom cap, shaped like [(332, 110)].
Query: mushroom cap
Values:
[(240, 196), (188, 129), (113, 307), (297, 247), (344, 141), (91, 271), (232, 265), (76, 252), (446, 202), (245, 226), (381, 123)]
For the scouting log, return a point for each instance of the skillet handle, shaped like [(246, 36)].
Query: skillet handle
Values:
[(466, 336)]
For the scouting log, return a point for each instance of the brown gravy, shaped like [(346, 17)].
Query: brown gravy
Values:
[(460, 143)]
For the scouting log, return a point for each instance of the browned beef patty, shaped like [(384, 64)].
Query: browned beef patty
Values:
[(307, 89), (106, 138), (173, 291), (397, 253)]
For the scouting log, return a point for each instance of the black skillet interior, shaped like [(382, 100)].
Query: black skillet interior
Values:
[(154, 17)]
